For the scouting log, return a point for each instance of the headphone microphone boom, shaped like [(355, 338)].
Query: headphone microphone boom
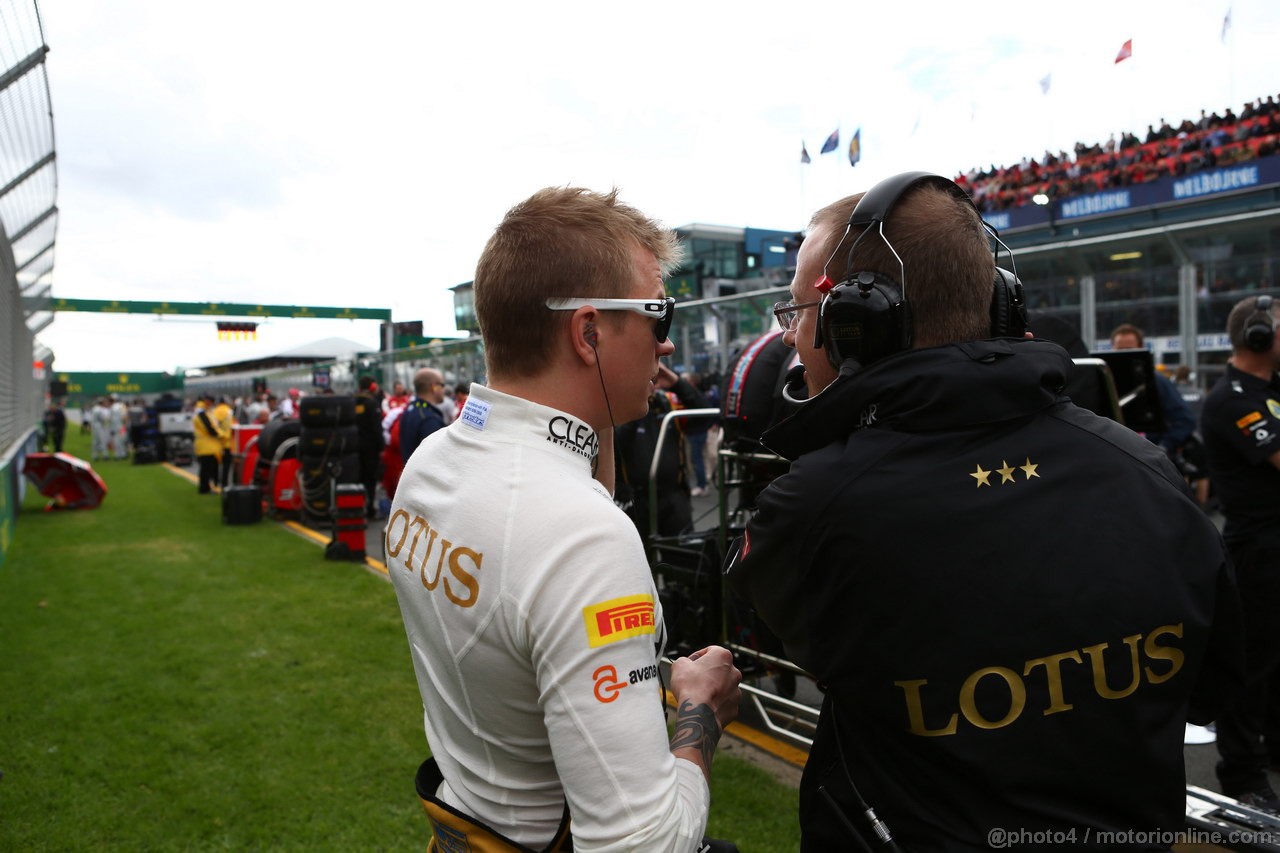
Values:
[(794, 389)]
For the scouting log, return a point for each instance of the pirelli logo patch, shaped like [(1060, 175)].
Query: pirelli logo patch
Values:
[(1251, 418), (618, 619)]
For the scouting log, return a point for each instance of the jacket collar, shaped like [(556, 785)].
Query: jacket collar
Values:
[(938, 388)]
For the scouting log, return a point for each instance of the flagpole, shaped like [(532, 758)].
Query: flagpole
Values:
[(1231, 60), (803, 206), (1047, 86), (1133, 101)]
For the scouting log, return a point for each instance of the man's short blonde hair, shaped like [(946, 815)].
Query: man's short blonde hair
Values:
[(562, 241), (945, 251)]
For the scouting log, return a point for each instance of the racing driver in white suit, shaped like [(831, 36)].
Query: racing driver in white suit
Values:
[(533, 622)]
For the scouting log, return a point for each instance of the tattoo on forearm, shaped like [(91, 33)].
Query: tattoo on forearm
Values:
[(696, 726)]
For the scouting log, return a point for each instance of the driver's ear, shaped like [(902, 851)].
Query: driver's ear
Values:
[(584, 334)]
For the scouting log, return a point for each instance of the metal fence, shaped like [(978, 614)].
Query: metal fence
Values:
[(28, 217)]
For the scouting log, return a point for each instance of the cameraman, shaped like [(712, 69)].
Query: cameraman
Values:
[(1011, 603)]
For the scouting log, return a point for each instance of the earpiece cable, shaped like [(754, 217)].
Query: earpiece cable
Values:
[(605, 391)]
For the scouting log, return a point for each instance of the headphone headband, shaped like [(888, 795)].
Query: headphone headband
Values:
[(868, 315), (876, 204)]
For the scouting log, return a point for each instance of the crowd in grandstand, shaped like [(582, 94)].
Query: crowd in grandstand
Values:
[(1194, 145)]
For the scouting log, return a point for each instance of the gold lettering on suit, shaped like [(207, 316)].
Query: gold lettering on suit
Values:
[(462, 585), (1047, 692)]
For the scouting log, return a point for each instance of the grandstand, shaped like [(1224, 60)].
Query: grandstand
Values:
[(1166, 233)]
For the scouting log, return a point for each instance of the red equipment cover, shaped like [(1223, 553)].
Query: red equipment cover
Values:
[(70, 481), (285, 494)]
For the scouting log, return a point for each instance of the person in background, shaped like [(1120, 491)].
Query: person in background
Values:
[(695, 434), (208, 443), (636, 443), (397, 399), (369, 441), (118, 439), (1179, 423), (423, 415), (392, 463), (55, 427), (289, 405), (448, 408), (543, 596), (258, 411), (224, 420), (100, 418), (1240, 423)]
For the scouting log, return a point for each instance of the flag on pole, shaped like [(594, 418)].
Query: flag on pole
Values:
[(855, 147), (832, 143), (804, 154), (1226, 24), (1045, 81), (1126, 51)]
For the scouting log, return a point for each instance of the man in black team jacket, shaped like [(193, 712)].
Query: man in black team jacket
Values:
[(1241, 428), (1012, 604)]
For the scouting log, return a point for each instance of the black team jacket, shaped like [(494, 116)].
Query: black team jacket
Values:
[(1012, 603)]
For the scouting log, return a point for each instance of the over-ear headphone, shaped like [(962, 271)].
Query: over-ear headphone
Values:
[(866, 317), (1260, 328), (1008, 306)]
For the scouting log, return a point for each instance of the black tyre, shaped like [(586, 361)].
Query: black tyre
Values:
[(327, 410), (315, 511), (273, 434), (331, 442), (321, 469)]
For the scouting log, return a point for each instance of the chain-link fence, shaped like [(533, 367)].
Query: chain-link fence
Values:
[(28, 224)]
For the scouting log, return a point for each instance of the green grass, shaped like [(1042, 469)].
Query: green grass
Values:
[(168, 683)]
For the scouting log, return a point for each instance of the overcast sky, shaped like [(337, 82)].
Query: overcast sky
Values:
[(342, 154)]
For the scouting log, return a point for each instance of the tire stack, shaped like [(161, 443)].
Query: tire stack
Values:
[(326, 454), (273, 434)]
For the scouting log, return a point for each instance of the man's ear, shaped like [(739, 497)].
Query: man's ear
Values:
[(584, 334)]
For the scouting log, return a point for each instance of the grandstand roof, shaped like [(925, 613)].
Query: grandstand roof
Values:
[(326, 349)]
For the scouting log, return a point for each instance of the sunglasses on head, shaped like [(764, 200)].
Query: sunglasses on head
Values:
[(662, 310)]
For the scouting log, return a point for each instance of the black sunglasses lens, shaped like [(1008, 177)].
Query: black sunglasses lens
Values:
[(663, 326)]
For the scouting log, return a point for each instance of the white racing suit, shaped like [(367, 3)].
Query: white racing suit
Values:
[(535, 631), (100, 424)]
